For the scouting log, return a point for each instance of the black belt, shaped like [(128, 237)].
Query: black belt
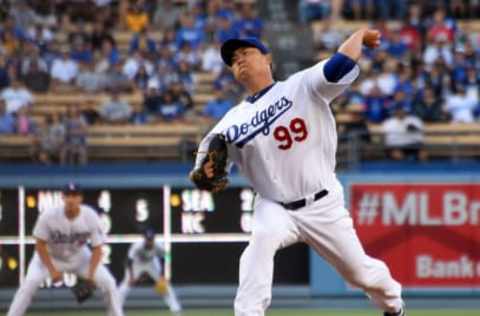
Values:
[(295, 205)]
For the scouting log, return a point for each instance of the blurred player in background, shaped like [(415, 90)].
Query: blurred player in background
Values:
[(144, 260), (61, 235)]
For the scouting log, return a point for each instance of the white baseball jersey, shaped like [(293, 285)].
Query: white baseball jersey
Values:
[(138, 252), (65, 238), (285, 141)]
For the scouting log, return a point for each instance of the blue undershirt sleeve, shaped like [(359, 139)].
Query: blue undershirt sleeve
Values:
[(338, 66)]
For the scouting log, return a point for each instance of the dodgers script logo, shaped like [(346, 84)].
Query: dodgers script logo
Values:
[(259, 123), (80, 238)]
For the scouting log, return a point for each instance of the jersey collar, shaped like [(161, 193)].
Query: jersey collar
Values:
[(254, 98)]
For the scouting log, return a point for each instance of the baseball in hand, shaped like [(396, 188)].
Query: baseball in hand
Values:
[(371, 38)]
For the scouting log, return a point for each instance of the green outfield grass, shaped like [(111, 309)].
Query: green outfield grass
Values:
[(278, 312)]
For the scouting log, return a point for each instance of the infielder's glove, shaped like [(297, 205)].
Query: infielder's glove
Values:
[(83, 290), (161, 287), (218, 154)]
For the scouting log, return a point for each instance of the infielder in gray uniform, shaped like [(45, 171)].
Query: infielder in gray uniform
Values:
[(144, 260), (62, 235)]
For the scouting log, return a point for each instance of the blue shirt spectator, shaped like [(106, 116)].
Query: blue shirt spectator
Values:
[(217, 107), (170, 110), (189, 33), (7, 120), (142, 41), (248, 25), (225, 30), (376, 110)]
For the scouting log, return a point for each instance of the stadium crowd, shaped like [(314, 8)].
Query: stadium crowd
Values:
[(427, 65)]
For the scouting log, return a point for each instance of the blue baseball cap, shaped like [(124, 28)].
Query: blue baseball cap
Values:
[(72, 188), (149, 234), (230, 46)]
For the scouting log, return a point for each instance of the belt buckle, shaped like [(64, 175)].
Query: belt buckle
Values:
[(309, 199)]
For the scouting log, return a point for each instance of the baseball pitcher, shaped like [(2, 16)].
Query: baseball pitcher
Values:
[(283, 139)]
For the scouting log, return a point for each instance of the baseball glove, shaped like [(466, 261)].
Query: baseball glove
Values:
[(83, 290), (161, 287), (218, 154)]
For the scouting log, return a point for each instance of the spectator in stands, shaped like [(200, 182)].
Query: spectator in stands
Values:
[(461, 105), (185, 76), (16, 96), (115, 110), (310, 10), (438, 78), (136, 18), (189, 56), (99, 35), (438, 50), (181, 95), (40, 35), (152, 98), (328, 37), (49, 53), (7, 120), (249, 24), (170, 110), (144, 41), (109, 56), (133, 64), (89, 80), (116, 80), (225, 30), (49, 139), (188, 33), (141, 78), (33, 58), (5, 71), (404, 136), (78, 34), (216, 108), (400, 100), (24, 123), (167, 14), (75, 148), (377, 109), (82, 52), (169, 40), (396, 47), (64, 69), (442, 29), (429, 108), (36, 77), (22, 14), (211, 59)]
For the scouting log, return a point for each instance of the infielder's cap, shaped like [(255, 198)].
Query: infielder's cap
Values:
[(149, 233), (230, 46), (71, 188)]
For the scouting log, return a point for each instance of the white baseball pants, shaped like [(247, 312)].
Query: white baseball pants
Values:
[(38, 272), (153, 270), (326, 226)]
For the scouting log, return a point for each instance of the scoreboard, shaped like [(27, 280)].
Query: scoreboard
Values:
[(208, 232)]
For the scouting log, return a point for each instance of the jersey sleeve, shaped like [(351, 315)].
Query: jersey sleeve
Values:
[(97, 235), (132, 251), (41, 230), (320, 87)]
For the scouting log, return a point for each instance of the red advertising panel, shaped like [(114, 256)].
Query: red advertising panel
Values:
[(428, 234)]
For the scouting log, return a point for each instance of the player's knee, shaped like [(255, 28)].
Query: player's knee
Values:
[(268, 240)]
